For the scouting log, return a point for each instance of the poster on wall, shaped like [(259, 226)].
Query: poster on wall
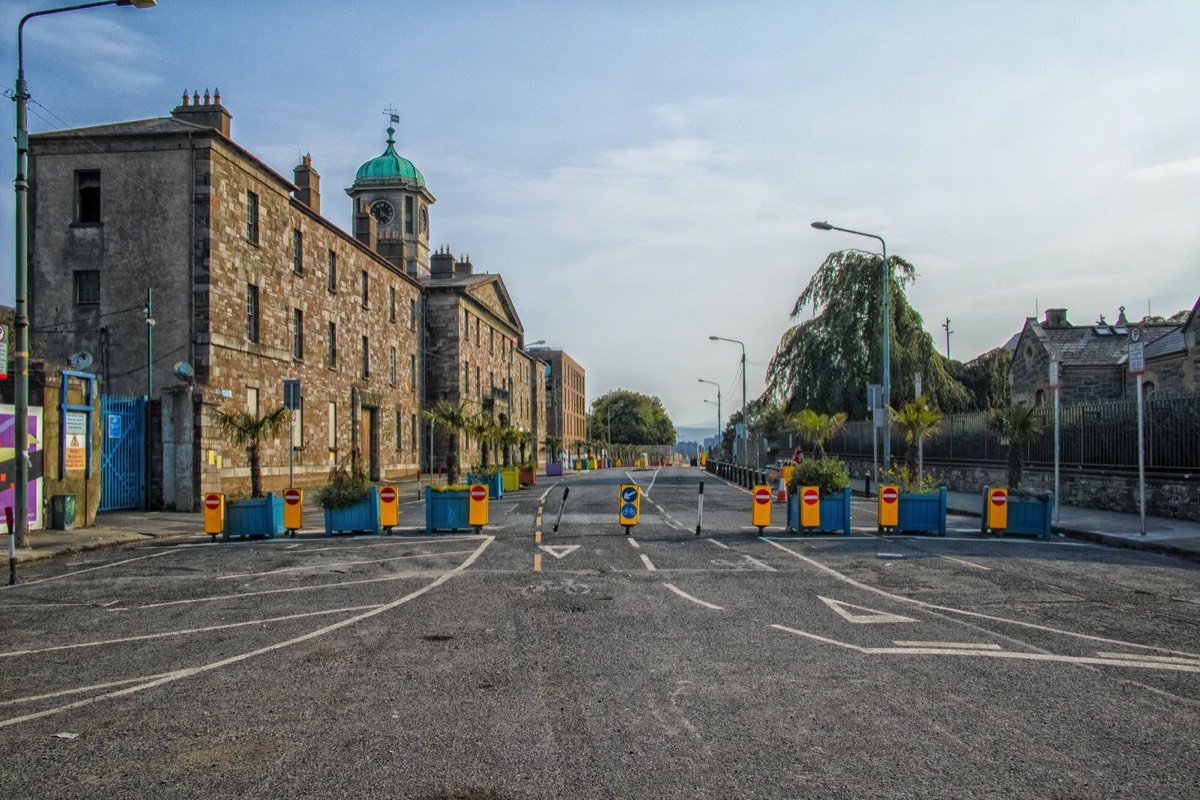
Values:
[(8, 462)]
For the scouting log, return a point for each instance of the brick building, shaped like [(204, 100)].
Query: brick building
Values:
[(566, 397), (249, 285)]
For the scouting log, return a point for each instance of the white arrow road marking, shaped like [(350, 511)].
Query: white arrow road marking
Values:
[(874, 615), (559, 550)]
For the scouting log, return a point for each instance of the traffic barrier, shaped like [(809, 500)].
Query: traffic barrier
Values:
[(214, 514), (760, 514), (293, 510)]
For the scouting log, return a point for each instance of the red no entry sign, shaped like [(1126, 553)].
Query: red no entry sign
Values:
[(291, 496), (999, 497), (889, 495), (811, 496), (762, 496), (212, 501), (478, 493), (387, 494)]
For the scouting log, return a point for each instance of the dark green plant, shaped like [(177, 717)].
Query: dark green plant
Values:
[(1015, 425), (244, 429), (827, 474), (448, 487), (909, 480), (346, 487)]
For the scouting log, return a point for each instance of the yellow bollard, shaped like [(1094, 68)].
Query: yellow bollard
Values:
[(889, 506), (760, 515), (997, 516), (810, 507), (477, 515), (389, 507), (214, 514)]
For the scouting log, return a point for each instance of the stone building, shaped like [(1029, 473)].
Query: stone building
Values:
[(246, 284), (476, 353), (1093, 359), (566, 397)]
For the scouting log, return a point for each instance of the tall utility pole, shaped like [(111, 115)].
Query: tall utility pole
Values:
[(948, 332)]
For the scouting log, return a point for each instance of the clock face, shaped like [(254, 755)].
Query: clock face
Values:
[(424, 220), (382, 211)]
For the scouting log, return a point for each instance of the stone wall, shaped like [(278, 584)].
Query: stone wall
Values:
[(1177, 497)]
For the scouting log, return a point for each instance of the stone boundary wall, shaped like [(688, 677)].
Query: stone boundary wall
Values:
[(1175, 496)]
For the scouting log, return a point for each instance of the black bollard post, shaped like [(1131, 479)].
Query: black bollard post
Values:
[(566, 491), (700, 509)]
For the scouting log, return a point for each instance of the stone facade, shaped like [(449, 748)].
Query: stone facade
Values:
[(566, 397)]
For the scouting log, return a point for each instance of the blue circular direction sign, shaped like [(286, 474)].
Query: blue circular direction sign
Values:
[(629, 494), (629, 511)]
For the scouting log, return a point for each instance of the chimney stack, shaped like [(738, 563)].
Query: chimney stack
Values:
[(209, 114), (441, 265), (308, 181), (464, 267), (364, 226), (1056, 318)]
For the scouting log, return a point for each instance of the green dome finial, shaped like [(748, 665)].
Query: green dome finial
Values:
[(389, 166)]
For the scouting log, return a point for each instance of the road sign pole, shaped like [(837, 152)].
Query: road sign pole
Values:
[(1054, 386), (12, 546), (1141, 423), (700, 509)]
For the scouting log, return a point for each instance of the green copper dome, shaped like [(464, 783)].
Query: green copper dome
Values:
[(389, 166)]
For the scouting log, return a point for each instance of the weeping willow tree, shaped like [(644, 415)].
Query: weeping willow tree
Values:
[(825, 363)]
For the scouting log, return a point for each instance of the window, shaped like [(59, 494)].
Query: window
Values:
[(298, 252), (399, 431), (408, 215), (412, 315), (332, 442), (478, 383), (391, 304), (412, 372), (87, 197), (392, 366), (466, 324), (87, 287), (252, 402), (491, 340), (297, 426), (365, 281), (297, 334), (251, 312), (332, 282), (252, 217), (466, 379), (413, 426), (477, 330), (331, 346), (366, 357)]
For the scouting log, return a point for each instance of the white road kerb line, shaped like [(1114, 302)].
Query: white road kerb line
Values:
[(335, 564), (922, 604), (695, 600), (398, 577), (192, 671), (1128, 660), (89, 569), (83, 689), (649, 564), (188, 631)]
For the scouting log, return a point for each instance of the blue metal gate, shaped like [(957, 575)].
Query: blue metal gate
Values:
[(123, 459)]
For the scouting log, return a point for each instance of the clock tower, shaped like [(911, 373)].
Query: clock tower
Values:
[(395, 192)]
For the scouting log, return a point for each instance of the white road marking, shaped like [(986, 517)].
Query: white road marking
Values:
[(82, 689), (649, 564), (942, 650), (950, 645), (695, 600), (335, 564), (186, 632), (759, 564), (397, 577), (559, 550), (634, 542), (719, 544), (192, 671), (930, 606), (89, 569), (968, 563), (1140, 657), (872, 615)]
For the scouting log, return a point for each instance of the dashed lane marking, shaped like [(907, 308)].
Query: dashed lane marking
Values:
[(695, 600), (649, 564)]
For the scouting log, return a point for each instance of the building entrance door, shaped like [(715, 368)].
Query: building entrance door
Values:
[(369, 445)]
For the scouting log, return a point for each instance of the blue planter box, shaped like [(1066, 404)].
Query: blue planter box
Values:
[(1027, 516), (262, 516), (835, 513), (362, 516), (510, 479), (446, 511), (495, 484), (925, 511), (554, 470)]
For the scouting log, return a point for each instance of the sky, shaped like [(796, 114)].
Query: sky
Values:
[(644, 174)]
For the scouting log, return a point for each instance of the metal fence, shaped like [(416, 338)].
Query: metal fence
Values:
[(1093, 435)]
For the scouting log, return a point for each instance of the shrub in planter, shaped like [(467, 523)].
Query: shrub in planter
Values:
[(922, 501), (350, 502), (447, 507), (827, 474)]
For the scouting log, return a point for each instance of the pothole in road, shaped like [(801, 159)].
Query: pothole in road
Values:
[(437, 637)]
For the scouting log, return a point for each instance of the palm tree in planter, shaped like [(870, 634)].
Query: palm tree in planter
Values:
[(918, 420), (1016, 425), (453, 419), (256, 516), (817, 429)]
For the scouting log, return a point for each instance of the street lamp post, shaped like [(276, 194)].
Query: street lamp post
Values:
[(719, 418), (21, 284), (887, 365), (745, 420)]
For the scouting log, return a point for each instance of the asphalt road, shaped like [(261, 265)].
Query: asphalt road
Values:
[(588, 663)]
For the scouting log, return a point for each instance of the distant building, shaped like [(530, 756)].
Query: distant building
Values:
[(566, 397), (1093, 359)]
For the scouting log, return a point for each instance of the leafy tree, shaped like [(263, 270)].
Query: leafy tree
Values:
[(817, 429), (825, 363), (769, 421), (1016, 425), (452, 418), (918, 421), (637, 419), (553, 448), (244, 429), (985, 378)]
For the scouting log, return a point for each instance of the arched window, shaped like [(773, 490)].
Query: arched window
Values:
[(1040, 400), (1148, 390)]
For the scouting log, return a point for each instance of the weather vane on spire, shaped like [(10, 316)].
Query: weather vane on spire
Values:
[(393, 117)]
